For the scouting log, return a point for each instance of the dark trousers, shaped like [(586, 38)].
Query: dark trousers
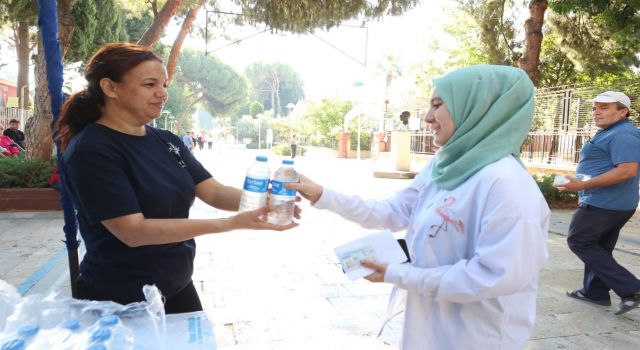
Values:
[(293, 151), (593, 233), (186, 300)]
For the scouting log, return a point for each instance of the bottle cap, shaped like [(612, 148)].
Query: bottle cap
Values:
[(100, 334), (28, 330), (72, 325), (287, 161), (14, 344), (109, 320), (261, 158), (97, 346)]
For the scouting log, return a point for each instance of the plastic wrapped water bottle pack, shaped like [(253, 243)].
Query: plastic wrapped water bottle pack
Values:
[(59, 322)]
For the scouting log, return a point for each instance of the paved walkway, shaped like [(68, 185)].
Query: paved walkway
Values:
[(285, 290)]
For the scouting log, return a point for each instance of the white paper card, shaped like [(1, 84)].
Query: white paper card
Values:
[(379, 247)]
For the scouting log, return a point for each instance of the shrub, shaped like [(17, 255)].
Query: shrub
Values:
[(553, 196), (365, 140), (284, 149), (25, 173)]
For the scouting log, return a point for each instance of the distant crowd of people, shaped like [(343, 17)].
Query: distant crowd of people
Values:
[(193, 141)]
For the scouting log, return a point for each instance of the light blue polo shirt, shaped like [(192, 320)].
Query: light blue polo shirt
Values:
[(619, 143)]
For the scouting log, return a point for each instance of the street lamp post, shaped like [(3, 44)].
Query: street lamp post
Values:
[(165, 114), (171, 122), (290, 107), (359, 86), (259, 116)]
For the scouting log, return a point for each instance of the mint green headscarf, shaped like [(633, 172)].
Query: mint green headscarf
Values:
[(491, 107)]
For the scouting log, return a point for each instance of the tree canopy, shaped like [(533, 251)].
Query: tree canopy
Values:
[(222, 88), (274, 85), (299, 16), (600, 36), (583, 40)]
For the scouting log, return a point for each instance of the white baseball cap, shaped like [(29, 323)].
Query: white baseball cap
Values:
[(613, 96)]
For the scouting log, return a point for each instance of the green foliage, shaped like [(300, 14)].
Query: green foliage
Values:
[(365, 140), (25, 173), (247, 127), (551, 194), (137, 24), (274, 85), (599, 36), (584, 41), (177, 104), (220, 87), (495, 21), (300, 16), (556, 67), (255, 108), (327, 119), (284, 149), (96, 23), (367, 126), (13, 11)]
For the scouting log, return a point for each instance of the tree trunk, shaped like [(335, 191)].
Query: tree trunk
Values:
[(177, 44), (23, 52), (185, 115), (37, 130), (66, 25), (530, 60), (38, 127), (159, 23)]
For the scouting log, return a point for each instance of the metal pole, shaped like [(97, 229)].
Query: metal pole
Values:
[(358, 136), (259, 142)]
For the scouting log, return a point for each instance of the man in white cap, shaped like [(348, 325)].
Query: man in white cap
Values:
[(607, 201)]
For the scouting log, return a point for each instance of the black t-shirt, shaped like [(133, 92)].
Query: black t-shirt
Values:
[(110, 174)]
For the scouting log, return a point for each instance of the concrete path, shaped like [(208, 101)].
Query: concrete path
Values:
[(285, 290)]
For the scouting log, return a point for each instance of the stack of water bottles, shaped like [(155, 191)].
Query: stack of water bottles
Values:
[(256, 186), (59, 322)]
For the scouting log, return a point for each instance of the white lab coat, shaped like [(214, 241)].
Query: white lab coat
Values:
[(476, 253)]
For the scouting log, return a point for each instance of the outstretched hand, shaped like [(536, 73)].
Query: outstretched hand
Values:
[(256, 220), (573, 185), (380, 269), (308, 189)]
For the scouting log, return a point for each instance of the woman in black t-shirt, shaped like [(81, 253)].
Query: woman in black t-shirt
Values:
[(133, 185)]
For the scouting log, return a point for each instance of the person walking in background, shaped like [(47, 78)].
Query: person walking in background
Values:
[(201, 141), (188, 141), (294, 145), (475, 249), (133, 185), (606, 202), (14, 133)]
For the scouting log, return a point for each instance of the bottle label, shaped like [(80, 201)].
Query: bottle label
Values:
[(256, 185), (278, 189)]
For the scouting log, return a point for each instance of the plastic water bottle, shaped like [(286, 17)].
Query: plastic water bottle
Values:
[(283, 200), (59, 337), (256, 184), (21, 338), (110, 333)]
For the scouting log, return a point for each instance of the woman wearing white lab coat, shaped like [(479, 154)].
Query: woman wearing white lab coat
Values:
[(476, 221)]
